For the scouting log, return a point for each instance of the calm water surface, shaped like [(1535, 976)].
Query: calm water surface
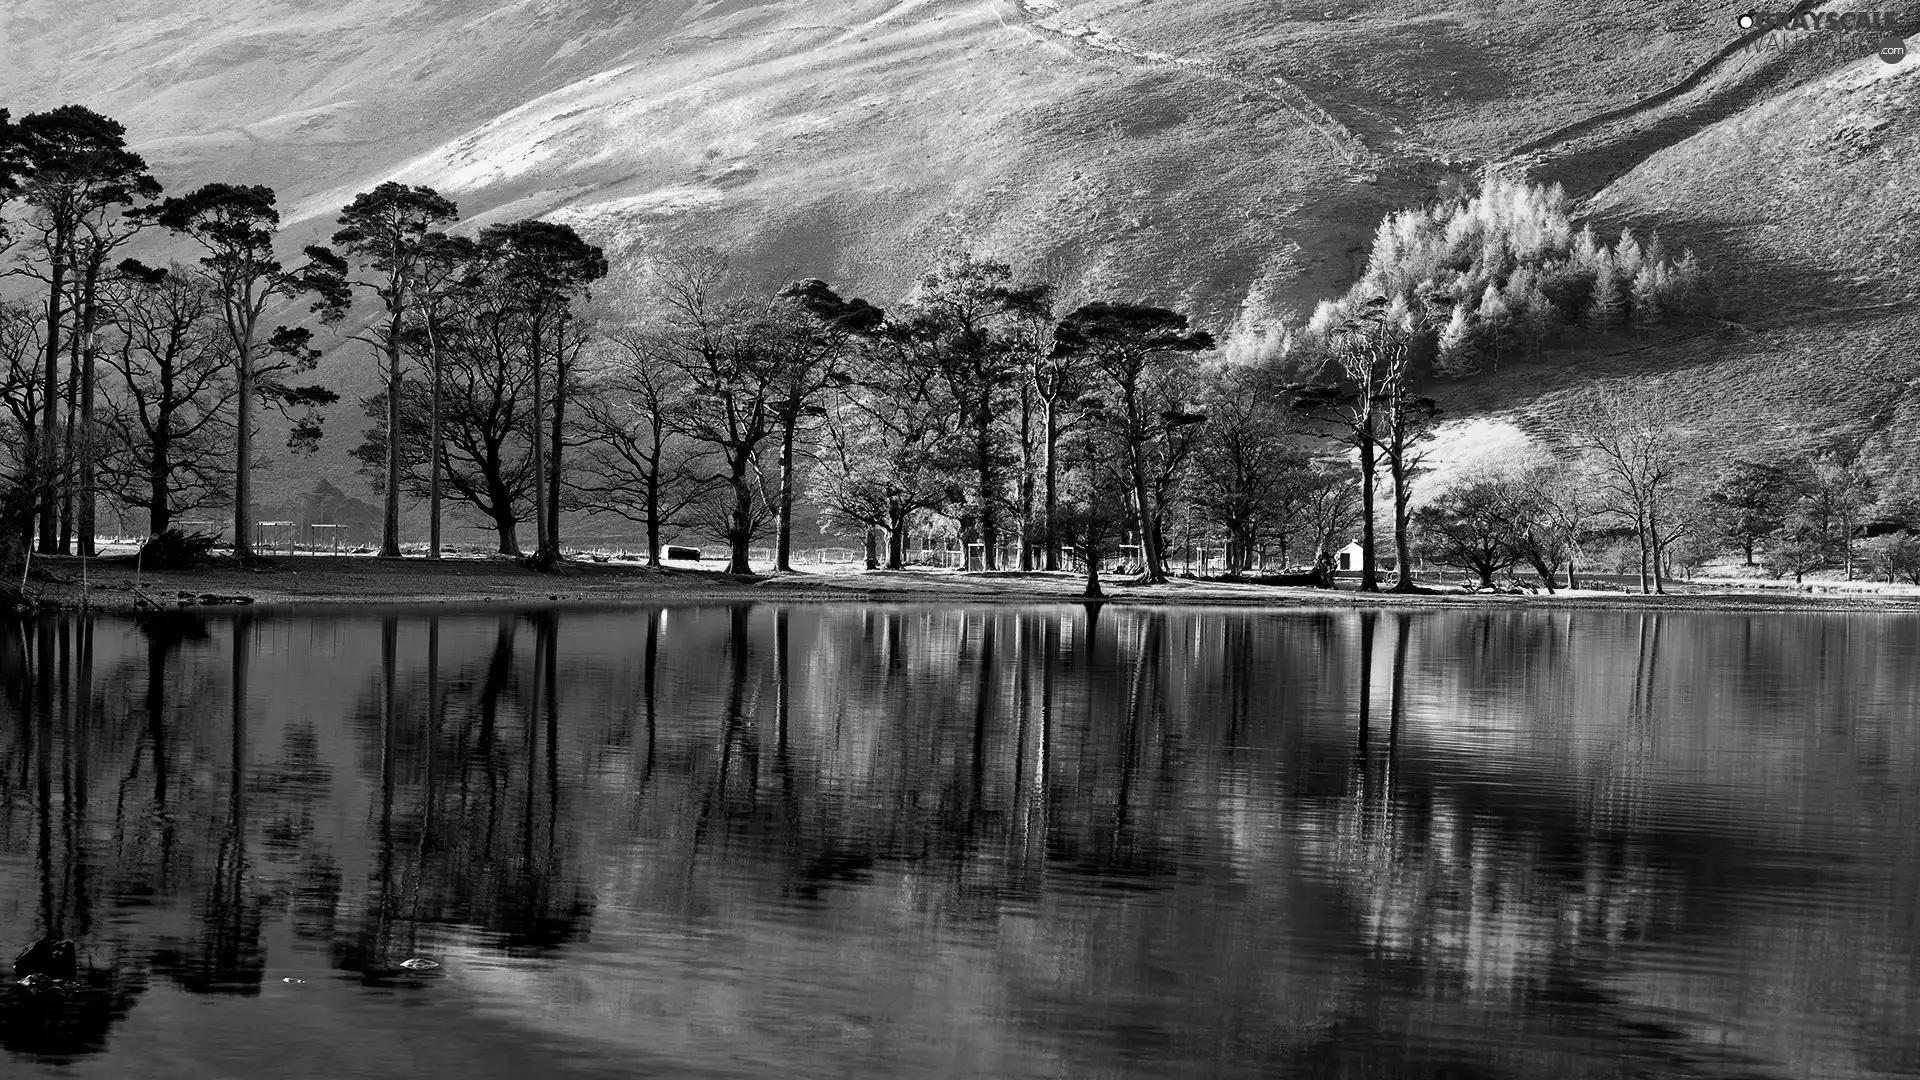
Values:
[(844, 841)]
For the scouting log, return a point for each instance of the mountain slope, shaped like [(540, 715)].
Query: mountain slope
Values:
[(1179, 150), (1803, 205)]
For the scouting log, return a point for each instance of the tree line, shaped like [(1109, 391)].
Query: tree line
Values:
[(1630, 479), (140, 384), (1059, 433)]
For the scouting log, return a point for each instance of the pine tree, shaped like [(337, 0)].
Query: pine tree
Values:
[(1686, 290), (1539, 319), (1608, 305), (1586, 252), (1628, 257), (1496, 323), (1519, 283), (1656, 249), (1647, 311), (1456, 342)]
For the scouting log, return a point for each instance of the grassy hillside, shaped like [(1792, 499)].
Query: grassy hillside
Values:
[(1796, 203), (1174, 149)]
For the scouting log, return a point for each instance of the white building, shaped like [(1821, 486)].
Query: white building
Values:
[(1348, 558)]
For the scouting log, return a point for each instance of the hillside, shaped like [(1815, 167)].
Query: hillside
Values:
[(1797, 202), (1178, 149), (1193, 153)]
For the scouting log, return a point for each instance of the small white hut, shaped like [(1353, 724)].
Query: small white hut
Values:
[(1348, 558)]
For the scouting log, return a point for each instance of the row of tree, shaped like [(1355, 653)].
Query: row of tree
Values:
[(141, 382), (727, 409), (703, 403), (1629, 467)]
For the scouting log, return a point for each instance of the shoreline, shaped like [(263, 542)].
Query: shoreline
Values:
[(337, 582)]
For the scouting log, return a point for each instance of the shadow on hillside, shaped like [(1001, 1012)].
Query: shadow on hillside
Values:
[(1757, 286), (1592, 167)]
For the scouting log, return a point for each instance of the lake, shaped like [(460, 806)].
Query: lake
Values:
[(887, 841)]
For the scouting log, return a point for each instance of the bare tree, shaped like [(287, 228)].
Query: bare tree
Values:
[(1639, 449), (170, 425), (1250, 463), (638, 464), (1330, 506), (883, 460), (730, 350), (21, 479), (1556, 507), (1475, 525)]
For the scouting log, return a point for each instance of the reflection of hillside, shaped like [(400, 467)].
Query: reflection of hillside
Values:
[(825, 839)]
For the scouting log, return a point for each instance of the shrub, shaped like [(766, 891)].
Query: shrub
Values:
[(1895, 557), (175, 550)]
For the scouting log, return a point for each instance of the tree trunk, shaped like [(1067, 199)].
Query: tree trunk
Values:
[(507, 529), (873, 548), (1546, 572), (1402, 543), (1026, 478), (67, 438), (535, 426), (46, 468), (505, 524), (653, 512), (84, 509), (1143, 514), (897, 543), (243, 447), (1846, 524), (1092, 591), (740, 530), (1051, 479), (560, 370), (433, 451), (1573, 582), (1653, 542), (1640, 528), (989, 511), (390, 519), (783, 553), (159, 513), (84, 514), (1369, 576)]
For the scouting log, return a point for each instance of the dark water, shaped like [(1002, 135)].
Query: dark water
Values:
[(903, 841)]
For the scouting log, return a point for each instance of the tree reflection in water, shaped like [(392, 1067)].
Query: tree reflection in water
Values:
[(1082, 839), (57, 739)]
